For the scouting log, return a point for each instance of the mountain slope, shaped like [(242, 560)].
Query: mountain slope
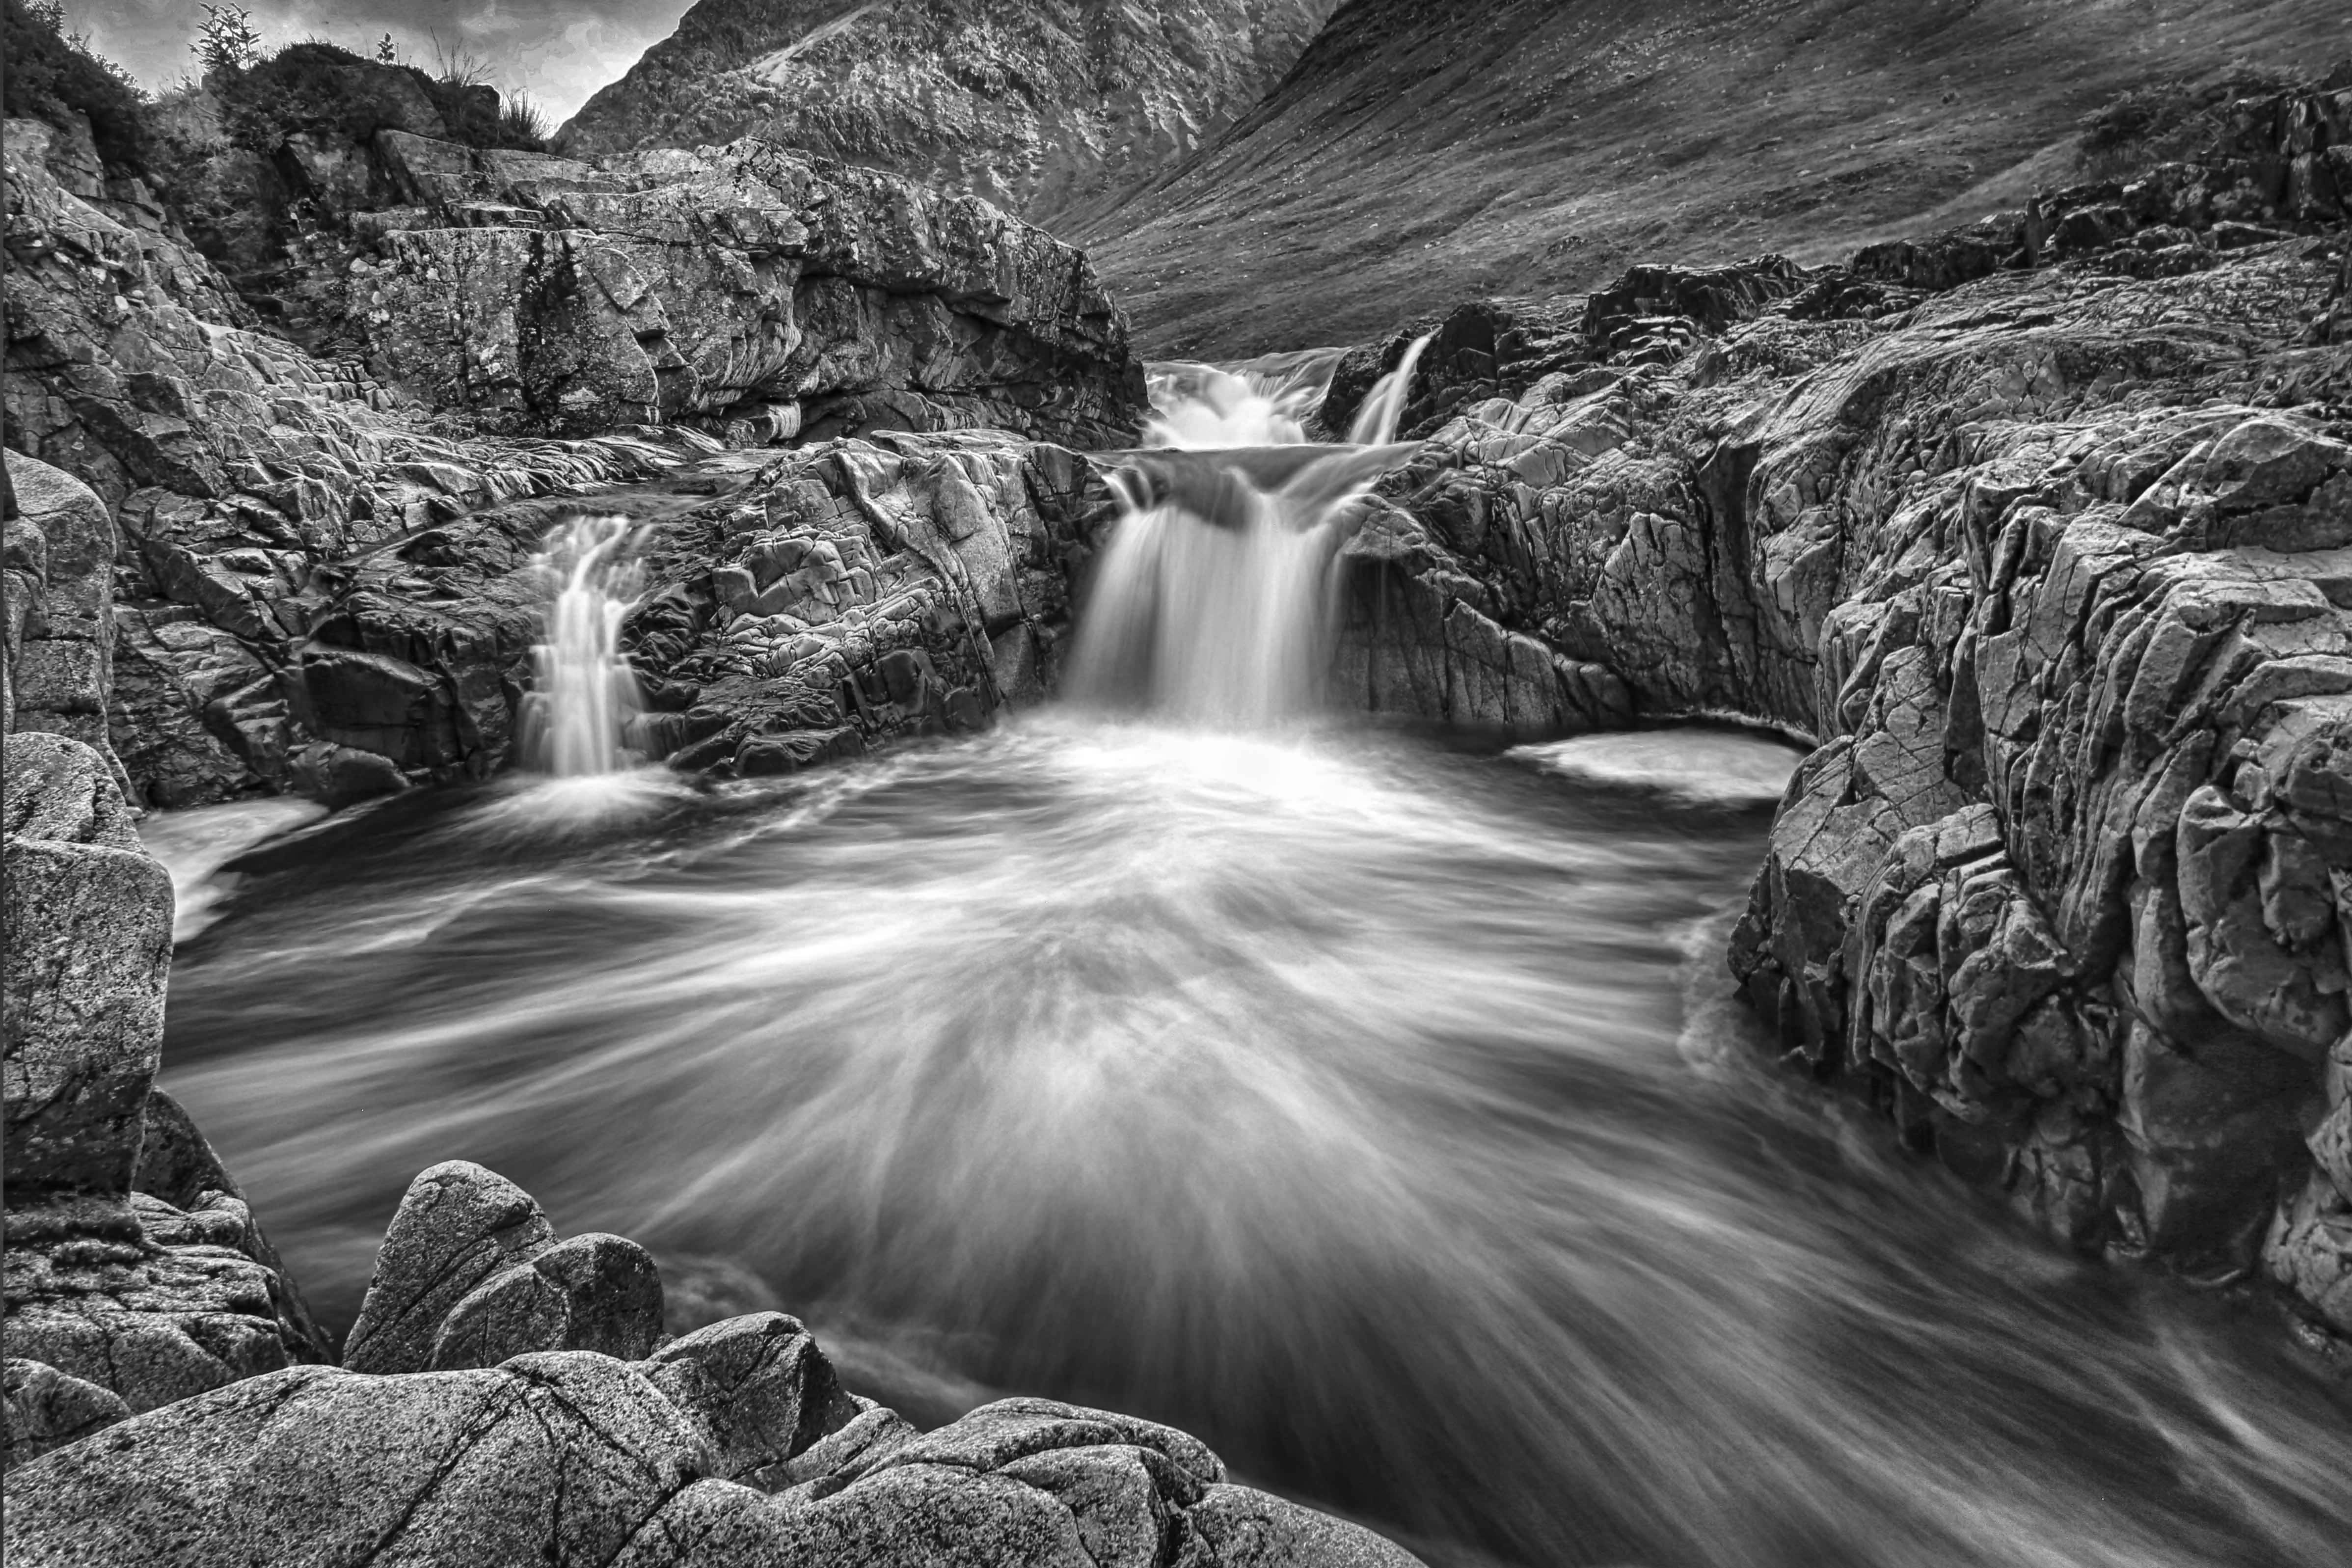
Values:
[(1423, 150), (1053, 109)]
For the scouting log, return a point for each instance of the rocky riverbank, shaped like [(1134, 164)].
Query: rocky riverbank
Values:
[(2036, 528)]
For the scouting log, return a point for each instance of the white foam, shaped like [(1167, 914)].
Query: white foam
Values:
[(1713, 767), (195, 844)]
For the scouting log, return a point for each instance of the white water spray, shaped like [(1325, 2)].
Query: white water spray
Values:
[(575, 723), (1213, 601)]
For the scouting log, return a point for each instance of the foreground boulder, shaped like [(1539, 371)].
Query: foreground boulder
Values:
[(134, 1273), (2042, 530), (735, 1444)]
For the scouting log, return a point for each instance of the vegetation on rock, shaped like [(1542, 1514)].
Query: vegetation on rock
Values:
[(48, 74)]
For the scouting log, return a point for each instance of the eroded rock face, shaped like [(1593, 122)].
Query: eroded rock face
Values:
[(261, 637), (2048, 558), (743, 286), (235, 466), (857, 591), (1074, 108)]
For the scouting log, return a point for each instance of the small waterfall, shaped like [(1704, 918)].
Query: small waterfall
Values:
[(1213, 601), (575, 723)]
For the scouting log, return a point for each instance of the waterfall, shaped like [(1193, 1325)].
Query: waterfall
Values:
[(575, 723), (1213, 601)]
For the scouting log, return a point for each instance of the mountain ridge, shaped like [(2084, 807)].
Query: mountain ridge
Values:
[(1420, 152)]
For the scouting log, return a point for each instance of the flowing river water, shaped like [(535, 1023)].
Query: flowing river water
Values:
[(1369, 1102)]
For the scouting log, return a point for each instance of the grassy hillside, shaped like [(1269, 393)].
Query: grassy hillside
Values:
[(1421, 151)]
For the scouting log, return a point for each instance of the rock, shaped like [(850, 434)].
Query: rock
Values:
[(577, 1458), (240, 470), (60, 626), (456, 1226), (88, 939), (587, 1293), (132, 1265), (515, 298), (1247, 1529), (861, 590), (46, 1409), (719, 285), (315, 1464), (761, 1388), (178, 1167)]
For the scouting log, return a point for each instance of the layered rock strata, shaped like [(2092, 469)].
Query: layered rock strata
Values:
[(507, 1397), (2038, 530)]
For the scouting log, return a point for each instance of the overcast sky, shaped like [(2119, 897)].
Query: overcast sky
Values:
[(559, 51)]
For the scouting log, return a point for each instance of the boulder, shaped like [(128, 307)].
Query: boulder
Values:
[(89, 937), (576, 1457), (457, 1225), (586, 1293)]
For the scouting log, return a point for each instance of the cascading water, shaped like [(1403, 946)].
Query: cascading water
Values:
[(1213, 601), (576, 720)]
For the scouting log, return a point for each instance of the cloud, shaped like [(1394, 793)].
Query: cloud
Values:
[(559, 51)]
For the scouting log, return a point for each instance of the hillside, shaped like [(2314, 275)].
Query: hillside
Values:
[(1424, 150), (1054, 109)]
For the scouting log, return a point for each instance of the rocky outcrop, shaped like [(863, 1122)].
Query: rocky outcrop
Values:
[(744, 284), (134, 1274), (1054, 111), (2046, 558), (262, 637), (860, 591), (56, 672), (233, 463), (734, 1444)]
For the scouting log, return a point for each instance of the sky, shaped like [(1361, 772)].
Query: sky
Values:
[(558, 51)]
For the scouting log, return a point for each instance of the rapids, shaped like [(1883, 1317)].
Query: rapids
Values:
[(1369, 1104)]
